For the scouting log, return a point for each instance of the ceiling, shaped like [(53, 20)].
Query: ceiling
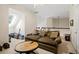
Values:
[(49, 10)]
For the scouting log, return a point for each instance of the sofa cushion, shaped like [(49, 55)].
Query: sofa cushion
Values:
[(47, 40), (54, 34)]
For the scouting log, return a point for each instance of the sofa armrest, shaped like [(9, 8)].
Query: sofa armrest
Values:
[(58, 40), (48, 47), (33, 34), (29, 34)]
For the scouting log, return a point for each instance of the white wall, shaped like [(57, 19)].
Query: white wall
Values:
[(41, 22), (30, 24), (74, 14), (3, 24), (50, 23)]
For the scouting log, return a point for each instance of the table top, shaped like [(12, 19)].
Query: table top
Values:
[(26, 46)]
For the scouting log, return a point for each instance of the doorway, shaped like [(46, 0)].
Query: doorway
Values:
[(16, 24)]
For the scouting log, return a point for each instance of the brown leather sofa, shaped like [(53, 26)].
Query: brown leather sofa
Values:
[(47, 40)]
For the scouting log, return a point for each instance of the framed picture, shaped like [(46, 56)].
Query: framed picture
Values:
[(71, 22)]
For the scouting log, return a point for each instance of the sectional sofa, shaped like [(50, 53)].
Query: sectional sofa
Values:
[(48, 40)]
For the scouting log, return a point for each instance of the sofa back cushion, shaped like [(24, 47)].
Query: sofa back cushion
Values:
[(48, 33), (54, 34), (42, 33), (36, 32)]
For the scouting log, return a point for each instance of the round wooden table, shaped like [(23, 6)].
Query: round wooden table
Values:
[(26, 47)]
